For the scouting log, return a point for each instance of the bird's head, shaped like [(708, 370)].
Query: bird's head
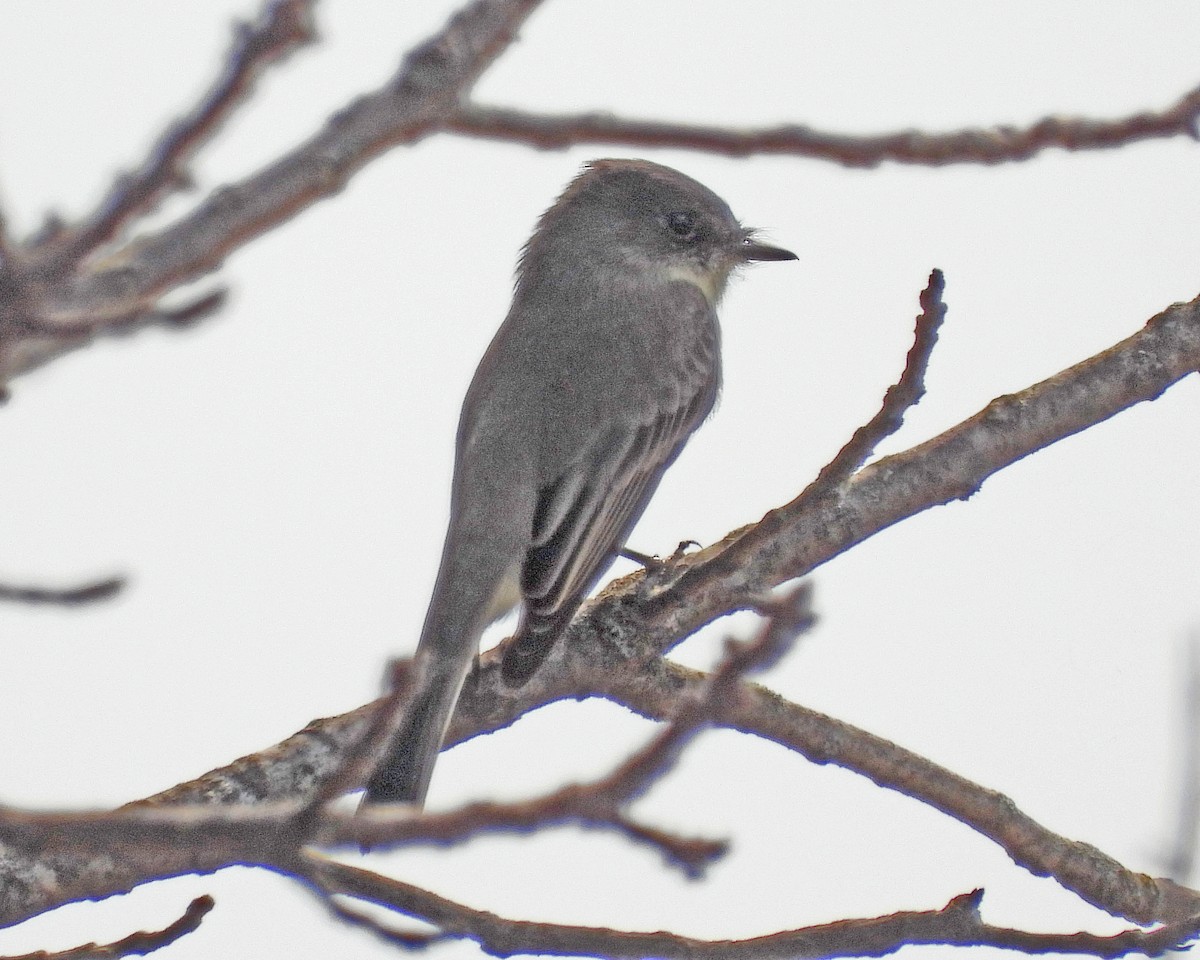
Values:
[(642, 217)]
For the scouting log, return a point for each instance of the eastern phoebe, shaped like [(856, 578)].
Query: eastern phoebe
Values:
[(606, 363)]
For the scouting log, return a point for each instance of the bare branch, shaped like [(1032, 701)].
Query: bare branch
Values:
[(395, 938), (988, 145), (586, 806), (1086, 871), (602, 802), (900, 396), (265, 832), (958, 923), (92, 592), (263, 835), (283, 27), (143, 942), (182, 316), (48, 341), (664, 692), (793, 540), (786, 618), (291, 769), (622, 633), (118, 292), (433, 76)]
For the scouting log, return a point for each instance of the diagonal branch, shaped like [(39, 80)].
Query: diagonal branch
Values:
[(988, 145), (899, 398), (158, 841), (108, 294), (787, 618), (141, 942), (409, 107), (1086, 871), (284, 26), (793, 540), (626, 629), (602, 802)]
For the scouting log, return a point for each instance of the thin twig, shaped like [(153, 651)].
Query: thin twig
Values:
[(92, 592), (785, 619), (897, 400), (581, 805), (409, 107), (46, 339), (141, 942), (601, 803), (1090, 874), (956, 924), (622, 625), (793, 540), (987, 145), (182, 316), (394, 938), (282, 28), (900, 397)]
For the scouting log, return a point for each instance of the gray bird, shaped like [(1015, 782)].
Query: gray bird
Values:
[(606, 363)]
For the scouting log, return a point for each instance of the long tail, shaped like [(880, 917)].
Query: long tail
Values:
[(478, 580), (403, 776)]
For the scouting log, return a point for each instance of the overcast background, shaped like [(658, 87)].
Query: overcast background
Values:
[(275, 481)]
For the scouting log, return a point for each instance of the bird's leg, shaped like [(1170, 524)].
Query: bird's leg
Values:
[(654, 563), (651, 562)]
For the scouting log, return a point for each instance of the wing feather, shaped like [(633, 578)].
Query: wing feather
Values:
[(583, 519)]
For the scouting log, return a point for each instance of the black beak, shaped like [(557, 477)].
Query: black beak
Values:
[(752, 250)]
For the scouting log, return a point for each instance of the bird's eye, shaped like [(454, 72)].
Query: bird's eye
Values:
[(682, 224)]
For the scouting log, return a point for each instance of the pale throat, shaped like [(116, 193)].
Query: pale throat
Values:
[(711, 283)]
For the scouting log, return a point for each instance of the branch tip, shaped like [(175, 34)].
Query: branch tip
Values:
[(93, 592)]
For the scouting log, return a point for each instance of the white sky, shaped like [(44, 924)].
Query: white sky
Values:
[(275, 482)]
